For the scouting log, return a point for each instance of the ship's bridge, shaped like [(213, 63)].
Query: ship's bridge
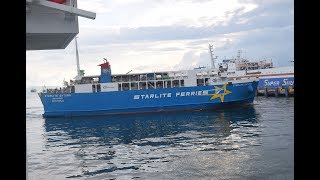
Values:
[(52, 24)]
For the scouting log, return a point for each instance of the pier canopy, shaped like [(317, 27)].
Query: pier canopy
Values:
[(52, 24)]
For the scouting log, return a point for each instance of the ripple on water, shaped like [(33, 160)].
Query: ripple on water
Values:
[(236, 142)]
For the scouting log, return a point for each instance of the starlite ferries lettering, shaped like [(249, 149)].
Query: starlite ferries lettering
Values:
[(169, 95), (152, 96)]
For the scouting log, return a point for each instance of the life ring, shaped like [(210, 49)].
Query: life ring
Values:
[(58, 1)]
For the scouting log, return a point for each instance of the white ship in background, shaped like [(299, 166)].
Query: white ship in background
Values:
[(273, 80)]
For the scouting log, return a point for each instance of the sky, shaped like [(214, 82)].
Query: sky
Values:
[(166, 35)]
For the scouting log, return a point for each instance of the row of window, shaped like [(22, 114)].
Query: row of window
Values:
[(96, 88), (141, 77), (150, 85), (203, 82)]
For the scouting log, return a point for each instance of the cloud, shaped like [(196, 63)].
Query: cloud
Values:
[(238, 20), (164, 35), (269, 43)]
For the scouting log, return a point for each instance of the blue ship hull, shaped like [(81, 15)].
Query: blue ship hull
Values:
[(150, 100)]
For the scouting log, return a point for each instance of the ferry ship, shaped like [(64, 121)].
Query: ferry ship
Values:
[(33, 90), (274, 81), (146, 92)]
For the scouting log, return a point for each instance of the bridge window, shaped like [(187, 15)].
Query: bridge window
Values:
[(142, 85), (150, 76), (206, 81), (200, 82), (182, 83), (134, 86), (93, 88), (98, 88), (143, 77), (125, 86), (168, 84), (150, 85), (175, 83), (134, 78), (159, 84)]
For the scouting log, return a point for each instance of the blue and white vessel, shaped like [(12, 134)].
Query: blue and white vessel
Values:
[(146, 92), (33, 90)]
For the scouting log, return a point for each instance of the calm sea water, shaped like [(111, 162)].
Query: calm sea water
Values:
[(247, 142)]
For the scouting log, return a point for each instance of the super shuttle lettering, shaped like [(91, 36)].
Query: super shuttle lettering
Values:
[(276, 82)]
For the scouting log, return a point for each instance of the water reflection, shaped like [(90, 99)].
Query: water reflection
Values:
[(128, 128), (122, 143)]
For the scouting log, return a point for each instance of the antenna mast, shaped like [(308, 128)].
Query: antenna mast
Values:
[(129, 72), (238, 55), (77, 57), (211, 56)]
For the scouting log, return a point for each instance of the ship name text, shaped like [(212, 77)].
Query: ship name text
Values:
[(285, 82), (169, 95)]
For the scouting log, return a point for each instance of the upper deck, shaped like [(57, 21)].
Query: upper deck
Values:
[(155, 80)]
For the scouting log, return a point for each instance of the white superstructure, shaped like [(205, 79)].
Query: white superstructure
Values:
[(242, 68)]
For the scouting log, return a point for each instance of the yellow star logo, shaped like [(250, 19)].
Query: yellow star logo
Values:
[(220, 92)]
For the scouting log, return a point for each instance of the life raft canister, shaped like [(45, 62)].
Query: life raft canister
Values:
[(58, 1)]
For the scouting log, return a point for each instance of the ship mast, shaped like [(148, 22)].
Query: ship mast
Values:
[(77, 57), (238, 55), (211, 56)]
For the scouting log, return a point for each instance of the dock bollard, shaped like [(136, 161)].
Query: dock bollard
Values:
[(265, 92), (287, 92)]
